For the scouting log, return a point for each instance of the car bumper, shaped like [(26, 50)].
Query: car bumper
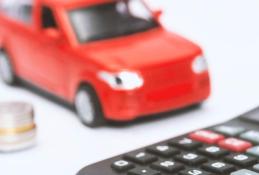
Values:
[(129, 105)]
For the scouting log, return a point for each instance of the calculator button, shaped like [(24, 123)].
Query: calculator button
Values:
[(219, 167), (143, 171), (193, 171), (252, 136), (206, 136), (213, 151), (241, 160), (244, 172), (163, 150), (254, 151), (141, 157), (185, 143), (167, 166), (235, 145), (229, 130), (122, 165), (256, 167), (191, 158)]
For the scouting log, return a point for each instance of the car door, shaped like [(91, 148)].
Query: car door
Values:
[(19, 31), (50, 57)]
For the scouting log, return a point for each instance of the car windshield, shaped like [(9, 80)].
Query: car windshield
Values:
[(111, 20)]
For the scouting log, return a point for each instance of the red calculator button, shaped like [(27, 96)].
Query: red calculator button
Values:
[(206, 136), (235, 145)]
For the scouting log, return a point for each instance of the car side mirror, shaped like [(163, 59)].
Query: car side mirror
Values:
[(53, 33), (157, 13)]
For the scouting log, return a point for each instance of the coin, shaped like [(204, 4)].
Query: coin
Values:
[(15, 109), (17, 127)]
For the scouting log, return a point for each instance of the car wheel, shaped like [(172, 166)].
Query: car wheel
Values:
[(88, 107), (6, 69)]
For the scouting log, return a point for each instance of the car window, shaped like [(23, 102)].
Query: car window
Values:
[(20, 10), (25, 13), (47, 18), (110, 20)]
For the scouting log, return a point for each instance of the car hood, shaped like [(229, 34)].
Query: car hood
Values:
[(141, 50)]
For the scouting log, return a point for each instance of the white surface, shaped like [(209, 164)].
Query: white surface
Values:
[(229, 33)]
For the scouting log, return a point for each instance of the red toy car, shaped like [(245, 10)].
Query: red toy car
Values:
[(112, 59)]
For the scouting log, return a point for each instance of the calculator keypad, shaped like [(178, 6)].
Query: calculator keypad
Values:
[(167, 166), (241, 160), (206, 136), (254, 151), (224, 150), (213, 151), (235, 145), (191, 159), (256, 167), (185, 143), (194, 171), (244, 172), (252, 136), (141, 157), (163, 150), (143, 171), (229, 130), (219, 167), (122, 165)]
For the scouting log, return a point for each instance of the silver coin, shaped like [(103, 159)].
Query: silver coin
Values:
[(15, 110), (9, 147), (17, 137), (15, 124), (17, 127), (15, 114), (9, 117)]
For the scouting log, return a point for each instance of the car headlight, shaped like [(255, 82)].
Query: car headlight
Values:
[(123, 80), (199, 65)]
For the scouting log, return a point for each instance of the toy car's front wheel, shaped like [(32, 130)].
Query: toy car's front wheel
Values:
[(88, 107), (6, 70)]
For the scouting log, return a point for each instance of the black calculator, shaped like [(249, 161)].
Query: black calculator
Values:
[(231, 148)]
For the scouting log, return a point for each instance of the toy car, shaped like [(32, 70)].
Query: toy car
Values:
[(111, 59)]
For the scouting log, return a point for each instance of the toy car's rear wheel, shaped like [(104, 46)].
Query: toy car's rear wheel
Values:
[(88, 107), (6, 69)]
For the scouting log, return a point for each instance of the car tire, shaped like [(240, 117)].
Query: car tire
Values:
[(7, 73), (88, 108)]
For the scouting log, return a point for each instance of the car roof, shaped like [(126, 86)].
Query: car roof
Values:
[(72, 3)]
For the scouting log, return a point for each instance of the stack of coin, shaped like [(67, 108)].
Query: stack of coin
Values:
[(17, 127)]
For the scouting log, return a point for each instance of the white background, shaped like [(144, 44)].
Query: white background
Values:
[(228, 30)]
